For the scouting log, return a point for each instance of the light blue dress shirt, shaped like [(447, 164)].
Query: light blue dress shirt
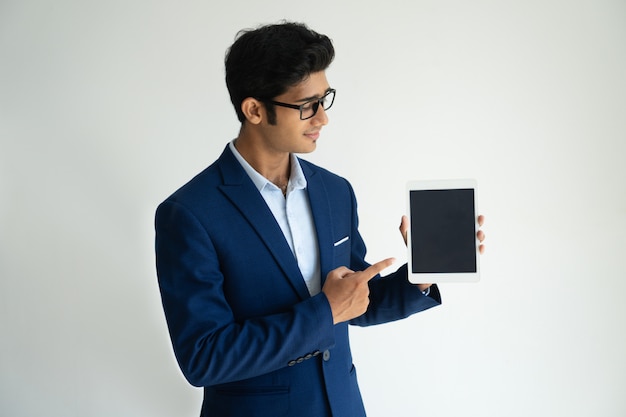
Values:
[(293, 214)]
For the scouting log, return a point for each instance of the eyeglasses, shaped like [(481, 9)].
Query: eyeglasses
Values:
[(309, 108)]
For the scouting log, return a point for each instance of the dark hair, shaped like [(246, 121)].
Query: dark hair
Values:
[(264, 62)]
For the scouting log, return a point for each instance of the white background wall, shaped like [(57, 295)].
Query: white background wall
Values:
[(106, 107)]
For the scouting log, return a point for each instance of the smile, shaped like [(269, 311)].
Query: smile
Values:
[(313, 135)]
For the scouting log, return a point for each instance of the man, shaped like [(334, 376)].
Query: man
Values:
[(260, 262)]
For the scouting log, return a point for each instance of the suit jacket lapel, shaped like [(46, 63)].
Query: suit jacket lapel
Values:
[(320, 207), (240, 190)]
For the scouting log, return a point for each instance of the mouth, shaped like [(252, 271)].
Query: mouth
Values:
[(313, 135)]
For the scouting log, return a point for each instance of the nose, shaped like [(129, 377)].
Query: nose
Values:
[(320, 118)]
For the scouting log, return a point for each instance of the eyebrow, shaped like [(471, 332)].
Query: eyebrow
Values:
[(304, 100)]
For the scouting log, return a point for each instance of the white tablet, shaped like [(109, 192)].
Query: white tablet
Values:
[(441, 240)]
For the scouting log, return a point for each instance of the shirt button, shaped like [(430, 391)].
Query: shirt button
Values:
[(326, 355)]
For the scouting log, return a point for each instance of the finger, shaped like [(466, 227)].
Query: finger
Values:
[(481, 220), (404, 228), (376, 269)]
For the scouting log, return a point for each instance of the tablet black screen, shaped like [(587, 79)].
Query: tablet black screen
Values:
[(443, 231)]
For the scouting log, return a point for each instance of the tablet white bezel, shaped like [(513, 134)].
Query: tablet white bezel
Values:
[(431, 278)]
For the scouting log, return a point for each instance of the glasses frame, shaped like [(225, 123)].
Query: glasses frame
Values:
[(317, 102)]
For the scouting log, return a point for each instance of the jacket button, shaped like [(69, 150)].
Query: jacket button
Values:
[(326, 355), (291, 363)]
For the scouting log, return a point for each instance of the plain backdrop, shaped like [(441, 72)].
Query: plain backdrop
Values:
[(106, 107)]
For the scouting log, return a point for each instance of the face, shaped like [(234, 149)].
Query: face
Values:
[(289, 133)]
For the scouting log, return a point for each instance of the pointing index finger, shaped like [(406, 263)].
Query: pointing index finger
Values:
[(376, 268)]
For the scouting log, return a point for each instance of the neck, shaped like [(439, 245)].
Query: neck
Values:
[(273, 165)]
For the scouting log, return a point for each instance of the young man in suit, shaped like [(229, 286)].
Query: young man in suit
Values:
[(259, 258)]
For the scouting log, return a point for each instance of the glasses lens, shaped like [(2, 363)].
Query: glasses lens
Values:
[(328, 99), (309, 109)]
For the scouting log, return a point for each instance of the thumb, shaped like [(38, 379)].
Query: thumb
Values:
[(404, 228)]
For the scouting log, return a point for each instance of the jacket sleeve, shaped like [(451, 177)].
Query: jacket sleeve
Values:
[(393, 297), (210, 345)]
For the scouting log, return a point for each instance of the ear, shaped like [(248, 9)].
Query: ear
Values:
[(253, 110)]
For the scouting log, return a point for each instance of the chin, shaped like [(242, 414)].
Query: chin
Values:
[(310, 148)]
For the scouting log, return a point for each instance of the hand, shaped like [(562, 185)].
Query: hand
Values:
[(404, 227), (348, 291), (481, 235)]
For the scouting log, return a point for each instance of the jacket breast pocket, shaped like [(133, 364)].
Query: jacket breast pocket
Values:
[(341, 251)]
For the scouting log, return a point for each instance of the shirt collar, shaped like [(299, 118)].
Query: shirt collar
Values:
[(297, 180)]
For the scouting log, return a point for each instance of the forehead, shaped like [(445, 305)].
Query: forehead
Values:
[(315, 85)]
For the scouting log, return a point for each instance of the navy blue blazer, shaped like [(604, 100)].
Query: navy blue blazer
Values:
[(241, 320)]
